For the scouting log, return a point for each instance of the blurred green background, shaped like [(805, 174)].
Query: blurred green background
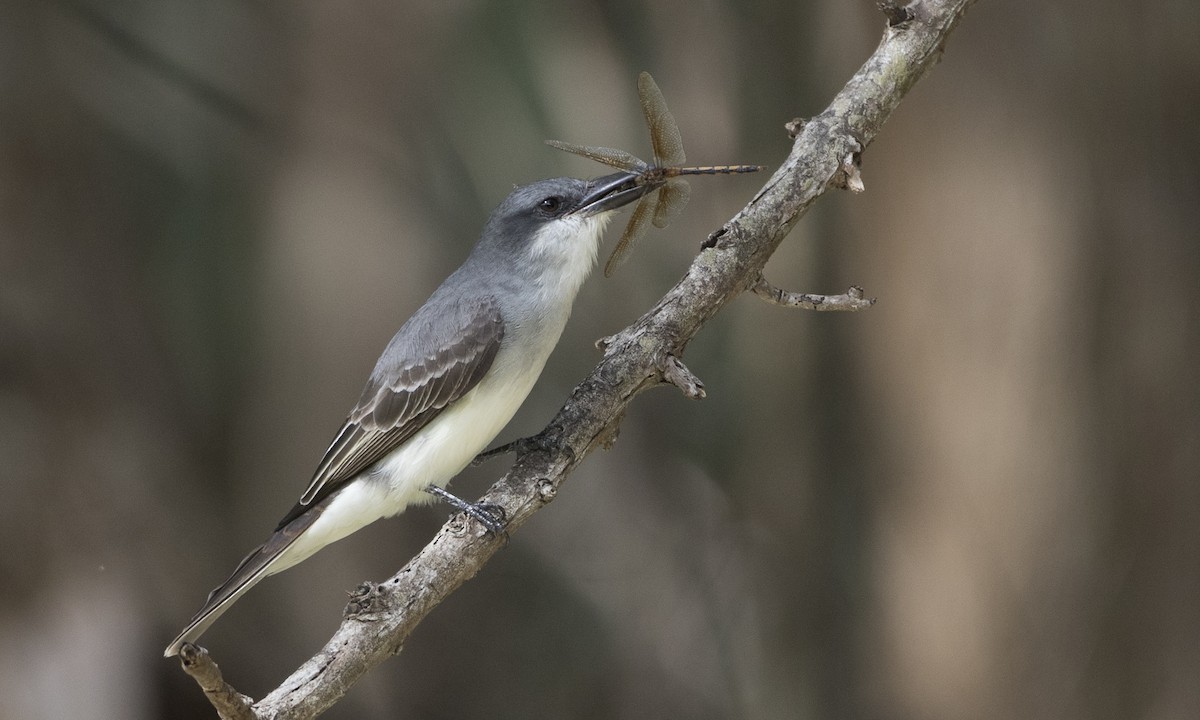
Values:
[(977, 499)]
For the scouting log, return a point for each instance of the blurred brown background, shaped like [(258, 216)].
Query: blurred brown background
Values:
[(977, 499)]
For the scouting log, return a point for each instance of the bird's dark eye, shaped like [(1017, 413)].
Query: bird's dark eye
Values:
[(550, 204)]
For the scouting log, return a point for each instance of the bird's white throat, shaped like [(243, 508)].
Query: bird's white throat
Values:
[(566, 250)]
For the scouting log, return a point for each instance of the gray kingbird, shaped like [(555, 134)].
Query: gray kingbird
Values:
[(450, 379)]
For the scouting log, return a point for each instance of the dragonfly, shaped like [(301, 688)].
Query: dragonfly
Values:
[(661, 205)]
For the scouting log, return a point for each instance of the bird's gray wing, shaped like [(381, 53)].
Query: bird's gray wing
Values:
[(435, 359)]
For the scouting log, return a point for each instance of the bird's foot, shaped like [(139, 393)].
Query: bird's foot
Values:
[(488, 515)]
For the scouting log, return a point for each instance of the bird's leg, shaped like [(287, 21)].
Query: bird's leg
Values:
[(490, 516)]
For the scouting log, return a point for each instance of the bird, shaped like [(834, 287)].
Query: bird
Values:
[(449, 380)]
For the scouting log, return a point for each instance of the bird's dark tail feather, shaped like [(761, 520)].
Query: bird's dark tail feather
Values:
[(256, 566)]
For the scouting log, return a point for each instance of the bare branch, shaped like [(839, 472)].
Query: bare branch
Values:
[(676, 373), (850, 301), (382, 616), (230, 704)]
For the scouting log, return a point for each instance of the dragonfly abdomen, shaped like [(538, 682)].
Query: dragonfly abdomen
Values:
[(710, 170)]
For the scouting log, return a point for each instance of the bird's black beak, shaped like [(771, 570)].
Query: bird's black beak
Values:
[(611, 192)]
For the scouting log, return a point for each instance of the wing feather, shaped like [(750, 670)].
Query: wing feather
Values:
[(433, 361)]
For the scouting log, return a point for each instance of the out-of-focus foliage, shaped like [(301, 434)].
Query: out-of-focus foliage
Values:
[(977, 499)]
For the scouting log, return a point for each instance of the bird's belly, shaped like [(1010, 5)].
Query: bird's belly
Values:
[(448, 444), (433, 456)]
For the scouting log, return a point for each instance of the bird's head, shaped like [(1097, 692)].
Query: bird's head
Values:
[(550, 230)]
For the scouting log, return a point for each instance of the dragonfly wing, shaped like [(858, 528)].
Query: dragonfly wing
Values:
[(664, 132), (609, 156), (671, 199), (633, 231)]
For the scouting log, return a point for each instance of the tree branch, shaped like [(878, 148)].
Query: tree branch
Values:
[(825, 154), (230, 704), (850, 301)]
